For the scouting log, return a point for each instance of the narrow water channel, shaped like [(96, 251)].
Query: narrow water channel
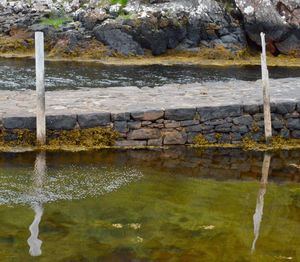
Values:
[(18, 74), (150, 205)]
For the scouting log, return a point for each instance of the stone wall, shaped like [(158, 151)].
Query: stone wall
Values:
[(223, 124)]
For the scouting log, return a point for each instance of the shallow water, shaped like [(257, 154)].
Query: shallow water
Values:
[(162, 205), (16, 74)]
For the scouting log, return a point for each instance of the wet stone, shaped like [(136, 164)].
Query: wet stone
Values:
[(189, 123), (171, 124), (19, 122), (180, 114), (134, 124), (144, 134), (246, 120), (175, 138), (296, 134), (225, 128), (284, 108), (61, 122), (240, 129), (151, 115), (277, 124), (94, 120), (210, 113), (121, 116), (121, 126), (293, 124), (251, 109), (285, 133), (211, 138), (155, 142), (258, 117)]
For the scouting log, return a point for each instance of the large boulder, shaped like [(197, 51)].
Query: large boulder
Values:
[(116, 37), (279, 19)]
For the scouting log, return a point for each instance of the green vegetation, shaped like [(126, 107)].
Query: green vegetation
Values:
[(121, 2), (56, 22)]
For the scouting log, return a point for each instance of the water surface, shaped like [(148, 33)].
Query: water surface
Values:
[(160, 205), (16, 74)]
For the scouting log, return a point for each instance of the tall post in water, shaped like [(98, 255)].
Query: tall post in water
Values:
[(266, 90), (40, 88)]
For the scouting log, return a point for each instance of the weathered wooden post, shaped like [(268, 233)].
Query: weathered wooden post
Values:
[(266, 90), (40, 88)]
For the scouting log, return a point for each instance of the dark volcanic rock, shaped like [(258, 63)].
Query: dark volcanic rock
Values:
[(279, 19), (117, 39)]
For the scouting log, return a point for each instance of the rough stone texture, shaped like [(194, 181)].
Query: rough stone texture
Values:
[(19, 123), (155, 142), (148, 115), (121, 126), (209, 113), (279, 19), (180, 114), (175, 138), (93, 120), (143, 134), (61, 122), (293, 124)]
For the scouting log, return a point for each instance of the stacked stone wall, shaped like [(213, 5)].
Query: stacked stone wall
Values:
[(178, 126)]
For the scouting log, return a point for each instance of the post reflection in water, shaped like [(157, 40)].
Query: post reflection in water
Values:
[(39, 175), (257, 217)]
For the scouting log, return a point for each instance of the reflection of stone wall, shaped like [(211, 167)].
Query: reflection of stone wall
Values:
[(224, 124)]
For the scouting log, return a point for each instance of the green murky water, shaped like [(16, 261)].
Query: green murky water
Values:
[(168, 205)]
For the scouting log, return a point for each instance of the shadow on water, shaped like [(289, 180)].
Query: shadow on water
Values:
[(16, 74)]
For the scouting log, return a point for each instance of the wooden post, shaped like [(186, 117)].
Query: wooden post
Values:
[(266, 90), (40, 88)]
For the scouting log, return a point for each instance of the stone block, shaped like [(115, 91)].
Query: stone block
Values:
[(171, 124), (284, 108), (134, 124), (258, 117), (225, 139), (225, 128), (146, 123), (150, 115), (94, 120), (251, 109), (120, 116), (277, 124), (19, 122), (236, 137), (121, 126), (191, 137), (210, 113), (293, 124), (175, 138), (296, 134), (285, 133), (131, 143), (245, 120), (199, 128), (240, 129), (61, 122), (292, 115), (211, 138), (155, 142), (180, 114), (189, 123), (144, 134)]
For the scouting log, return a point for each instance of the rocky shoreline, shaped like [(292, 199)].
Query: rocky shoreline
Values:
[(141, 28)]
